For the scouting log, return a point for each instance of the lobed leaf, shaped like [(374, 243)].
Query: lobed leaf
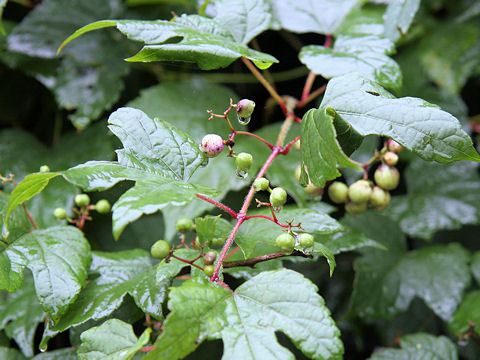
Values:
[(247, 319), (467, 315), (364, 108), (398, 17)]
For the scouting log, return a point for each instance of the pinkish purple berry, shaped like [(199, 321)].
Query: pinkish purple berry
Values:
[(212, 145)]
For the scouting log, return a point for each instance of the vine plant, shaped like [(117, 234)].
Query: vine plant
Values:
[(342, 148)]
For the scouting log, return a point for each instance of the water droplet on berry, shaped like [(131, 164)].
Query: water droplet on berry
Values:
[(277, 208), (204, 162), (241, 174), (243, 120)]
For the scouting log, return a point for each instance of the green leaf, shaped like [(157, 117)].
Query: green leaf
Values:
[(367, 20), (58, 258), (154, 145), (62, 354), (318, 16), (420, 346), (2, 5), (206, 228), (367, 108), (18, 223), (439, 197), (449, 60), (366, 55), (325, 252), (467, 315), (244, 19), (258, 233), (203, 41), (387, 281), (113, 340), (117, 274), (166, 271), (398, 17), (20, 313), (247, 319), (11, 354), (321, 152), (476, 266), (149, 197), (25, 190)]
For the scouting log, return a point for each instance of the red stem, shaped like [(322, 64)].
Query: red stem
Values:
[(256, 137), (232, 252), (219, 205), (328, 41), (287, 148), (29, 216), (308, 85), (147, 348), (190, 262), (268, 218)]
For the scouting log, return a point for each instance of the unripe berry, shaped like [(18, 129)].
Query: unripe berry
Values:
[(297, 145), (338, 192), (359, 191), (278, 197), (286, 242), (160, 249), (392, 145), (217, 242), (298, 172), (209, 270), (82, 200), (212, 145), (306, 240), (387, 177), (379, 198), (209, 257), (313, 190), (102, 206), (390, 158), (60, 213), (243, 161), (355, 208), (245, 108), (184, 224), (261, 184), (44, 168)]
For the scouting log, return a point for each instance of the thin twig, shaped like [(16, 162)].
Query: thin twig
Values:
[(219, 205), (253, 261)]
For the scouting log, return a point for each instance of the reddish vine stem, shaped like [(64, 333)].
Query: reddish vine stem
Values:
[(218, 204), (147, 348), (253, 261), (256, 137), (231, 253), (268, 218), (312, 96), (308, 86), (29, 216), (190, 262), (287, 148)]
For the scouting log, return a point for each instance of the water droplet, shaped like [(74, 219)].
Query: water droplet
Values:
[(204, 162), (43, 348), (241, 174), (277, 208), (243, 120)]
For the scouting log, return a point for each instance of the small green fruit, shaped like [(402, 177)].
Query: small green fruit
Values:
[(160, 249), (60, 213), (217, 242), (245, 108), (392, 145), (298, 172), (297, 145), (44, 169), (82, 200), (306, 240), (212, 145), (102, 206), (313, 190), (184, 224), (209, 257), (286, 242), (278, 197), (390, 158), (261, 184), (387, 177), (209, 270), (379, 199), (243, 161), (338, 192), (360, 191), (355, 208)]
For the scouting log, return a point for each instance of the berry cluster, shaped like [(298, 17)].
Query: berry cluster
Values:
[(82, 201), (364, 193)]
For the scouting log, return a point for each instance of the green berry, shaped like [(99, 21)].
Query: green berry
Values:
[(209, 257), (102, 206), (184, 224), (261, 184), (355, 208), (245, 108), (338, 192), (313, 190), (44, 169), (306, 240), (298, 172), (286, 242), (390, 158), (209, 270), (297, 145), (217, 242), (243, 161), (60, 213), (212, 145), (160, 249), (278, 197), (379, 199), (82, 200), (393, 146), (360, 191), (387, 177)]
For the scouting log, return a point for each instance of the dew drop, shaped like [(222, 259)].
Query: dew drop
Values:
[(204, 162), (43, 348), (243, 120), (277, 208), (241, 174)]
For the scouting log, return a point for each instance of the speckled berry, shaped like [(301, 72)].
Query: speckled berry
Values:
[(209, 257), (261, 184), (245, 108), (390, 158), (212, 145), (392, 145)]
